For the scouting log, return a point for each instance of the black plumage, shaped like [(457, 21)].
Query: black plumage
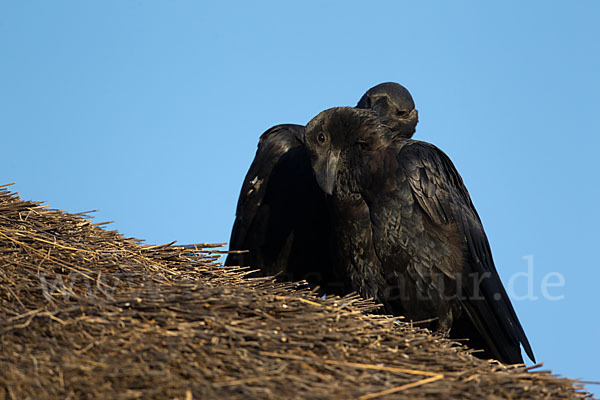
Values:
[(393, 105), (282, 218), (407, 234)]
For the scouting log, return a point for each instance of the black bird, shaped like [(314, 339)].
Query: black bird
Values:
[(420, 248), (282, 218), (393, 105)]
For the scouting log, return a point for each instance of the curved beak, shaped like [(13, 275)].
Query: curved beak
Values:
[(326, 171)]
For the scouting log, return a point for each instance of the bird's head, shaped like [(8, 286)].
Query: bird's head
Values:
[(394, 106), (339, 136)]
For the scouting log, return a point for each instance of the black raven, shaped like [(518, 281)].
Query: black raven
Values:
[(282, 218), (420, 248)]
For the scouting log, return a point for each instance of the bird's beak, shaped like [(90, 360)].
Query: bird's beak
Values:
[(414, 114), (326, 172)]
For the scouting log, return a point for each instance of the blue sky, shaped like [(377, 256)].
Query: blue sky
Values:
[(150, 111)]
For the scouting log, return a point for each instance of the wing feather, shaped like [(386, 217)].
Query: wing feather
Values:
[(252, 215), (441, 193)]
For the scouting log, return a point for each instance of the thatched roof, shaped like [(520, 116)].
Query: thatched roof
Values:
[(87, 313)]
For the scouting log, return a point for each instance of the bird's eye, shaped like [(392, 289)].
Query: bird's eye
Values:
[(321, 138)]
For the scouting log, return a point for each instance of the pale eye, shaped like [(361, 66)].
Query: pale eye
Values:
[(321, 138)]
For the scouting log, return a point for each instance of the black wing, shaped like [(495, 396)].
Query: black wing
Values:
[(281, 216), (442, 195), (250, 226)]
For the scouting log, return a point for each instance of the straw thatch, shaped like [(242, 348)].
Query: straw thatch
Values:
[(87, 313)]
